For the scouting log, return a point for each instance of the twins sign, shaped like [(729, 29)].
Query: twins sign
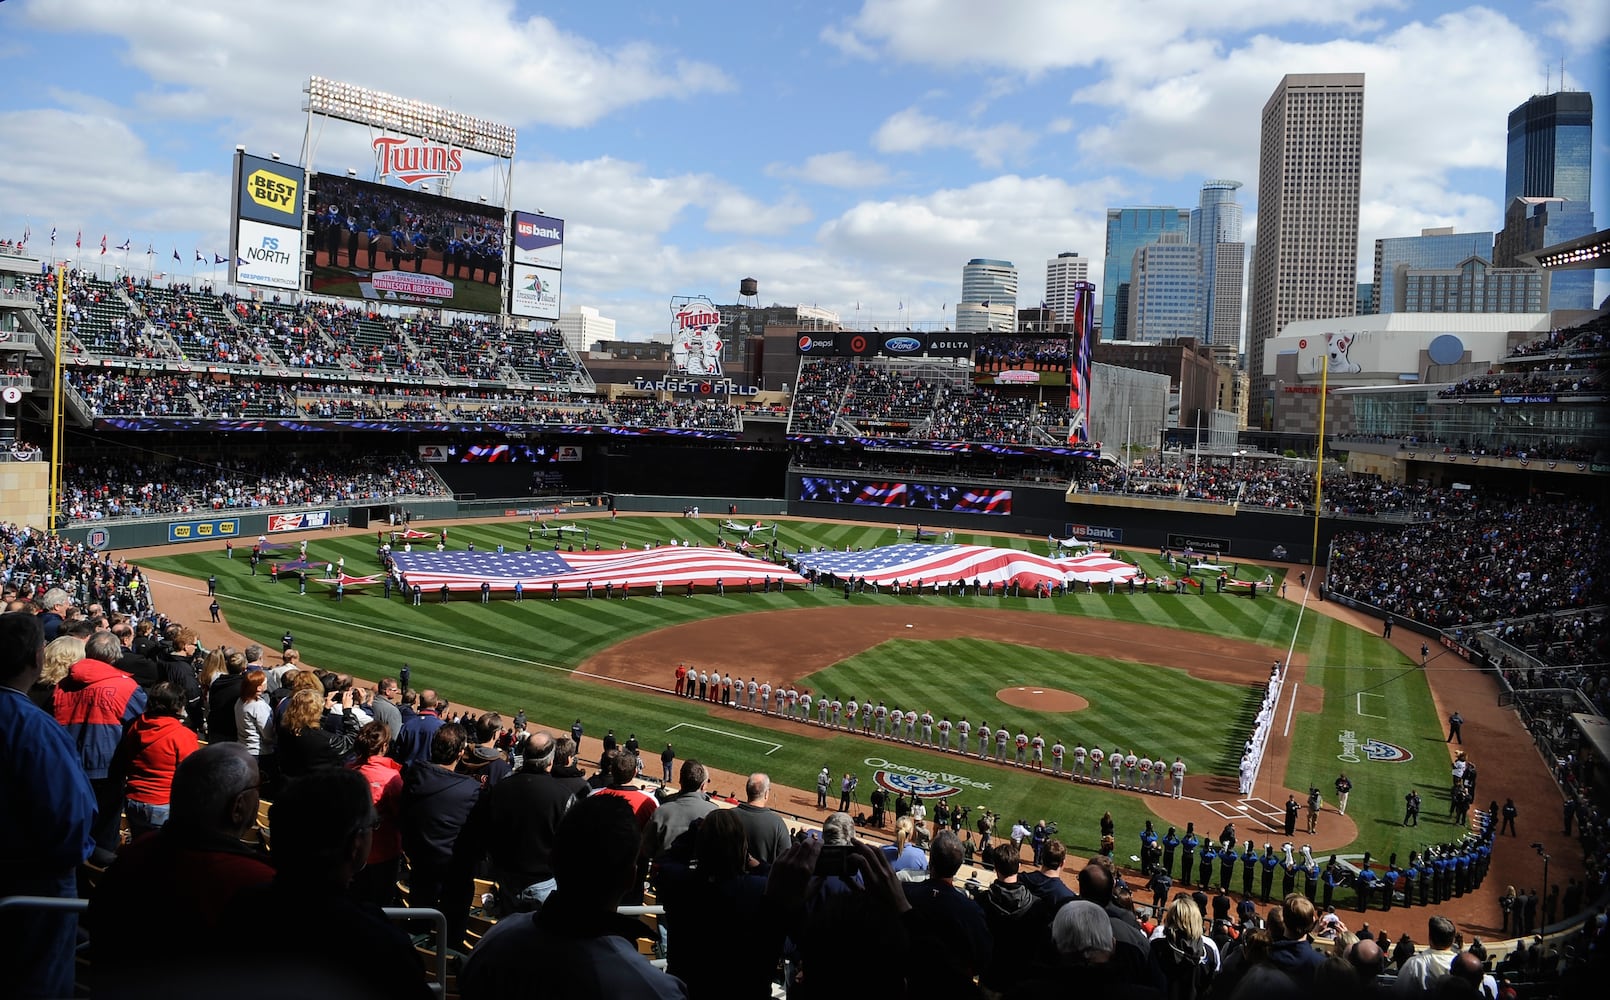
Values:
[(695, 337)]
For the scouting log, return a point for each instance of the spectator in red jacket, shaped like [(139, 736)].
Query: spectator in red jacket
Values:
[(149, 755), (96, 703), (377, 883)]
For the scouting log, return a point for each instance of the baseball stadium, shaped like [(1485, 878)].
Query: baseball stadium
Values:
[(932, 582)]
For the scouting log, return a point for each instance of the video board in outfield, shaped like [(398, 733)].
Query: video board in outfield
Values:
[(1021, 359), (389, 244), (537, 256)]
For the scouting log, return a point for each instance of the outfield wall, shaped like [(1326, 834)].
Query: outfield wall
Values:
[(1040, 511)]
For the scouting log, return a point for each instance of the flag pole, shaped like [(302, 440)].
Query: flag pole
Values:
[(56, 404), (1319, 467)]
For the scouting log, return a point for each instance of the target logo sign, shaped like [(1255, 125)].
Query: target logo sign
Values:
[(1303, 344), (857, 344)]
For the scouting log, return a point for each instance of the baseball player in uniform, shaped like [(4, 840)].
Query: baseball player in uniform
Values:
[(1145, 765), (792, 698), (911, 726), (823, 706), (1115, 763), (1021, 745), (964, 729), (853, 707), (805, 707), (765, 697), (1037, 752), (1002, 737), (837, 713), (1130, 760), (1159, 773), (1097, 755), (754, 689), (985, 734), (882, 714), (944, 734), (866, 717), (1057, 750), (1177, 772), (927, 720)]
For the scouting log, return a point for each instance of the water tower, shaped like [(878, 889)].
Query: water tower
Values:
[(749, 293)]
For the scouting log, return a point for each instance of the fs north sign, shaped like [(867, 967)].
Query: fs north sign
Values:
[(414, 160)]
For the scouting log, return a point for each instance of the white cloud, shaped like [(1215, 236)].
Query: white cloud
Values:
[(1029, 37), (1581, 25), (484, 58), (913, 131), (1195, 112), (39, 142), (840, 169)]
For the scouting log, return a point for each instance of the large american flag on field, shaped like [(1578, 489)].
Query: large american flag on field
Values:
[(913, 561), (675, 566)]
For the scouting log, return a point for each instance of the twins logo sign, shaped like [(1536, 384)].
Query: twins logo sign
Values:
[(695, 337)]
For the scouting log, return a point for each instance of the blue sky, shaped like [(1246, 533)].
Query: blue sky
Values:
[(842, 153)]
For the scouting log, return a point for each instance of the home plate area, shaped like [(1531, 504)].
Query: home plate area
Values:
[(1271, 814)]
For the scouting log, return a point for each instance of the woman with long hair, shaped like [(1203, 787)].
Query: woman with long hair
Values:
[(304, 744), (1187, 960), (377, 883)]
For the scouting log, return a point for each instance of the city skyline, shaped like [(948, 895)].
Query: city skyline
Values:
[(921, 134)]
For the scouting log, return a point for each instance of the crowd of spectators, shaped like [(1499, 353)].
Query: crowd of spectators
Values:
[(1553, 380), (1503, 556), (974, 413), (1593, 335), (113, 485), (121, 394)]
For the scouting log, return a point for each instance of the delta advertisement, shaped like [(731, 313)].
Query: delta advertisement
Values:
[(268, 255)]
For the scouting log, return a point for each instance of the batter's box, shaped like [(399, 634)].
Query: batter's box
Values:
[(1225, 810)]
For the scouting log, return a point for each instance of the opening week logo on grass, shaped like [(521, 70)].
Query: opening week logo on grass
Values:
[(1373, 749), (899, 778)]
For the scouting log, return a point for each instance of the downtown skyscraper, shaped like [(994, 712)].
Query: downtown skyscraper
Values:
[(1216, 228), (1305, 265)]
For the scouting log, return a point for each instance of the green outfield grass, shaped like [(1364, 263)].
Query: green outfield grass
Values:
[(510, 656)]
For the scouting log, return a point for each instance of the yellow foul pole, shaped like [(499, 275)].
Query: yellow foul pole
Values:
[(56, 401), (1319, 466)]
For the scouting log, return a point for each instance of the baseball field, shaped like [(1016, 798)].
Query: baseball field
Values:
[(1162, 675)]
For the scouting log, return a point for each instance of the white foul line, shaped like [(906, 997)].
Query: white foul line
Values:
[(721, 732), (1290, 709)]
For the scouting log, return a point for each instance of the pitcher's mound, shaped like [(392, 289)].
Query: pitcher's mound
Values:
[(1042, 699)]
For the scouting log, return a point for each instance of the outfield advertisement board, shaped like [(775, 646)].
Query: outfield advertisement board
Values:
[(1199, 543), (299, 521), (268, 255), (1095, 533), (191, 531), (390, 244)]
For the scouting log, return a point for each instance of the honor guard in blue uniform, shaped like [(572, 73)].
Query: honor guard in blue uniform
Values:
[(1389, 882), (1411, 877), (1288, 877), (1363, 885), (1310, 878), (1227, 860), (1427, 875), (1188, 844), (1461, 876), (1331, 879), (1269, 863), (1210, 855), (1249, 866), (1171, 840)]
